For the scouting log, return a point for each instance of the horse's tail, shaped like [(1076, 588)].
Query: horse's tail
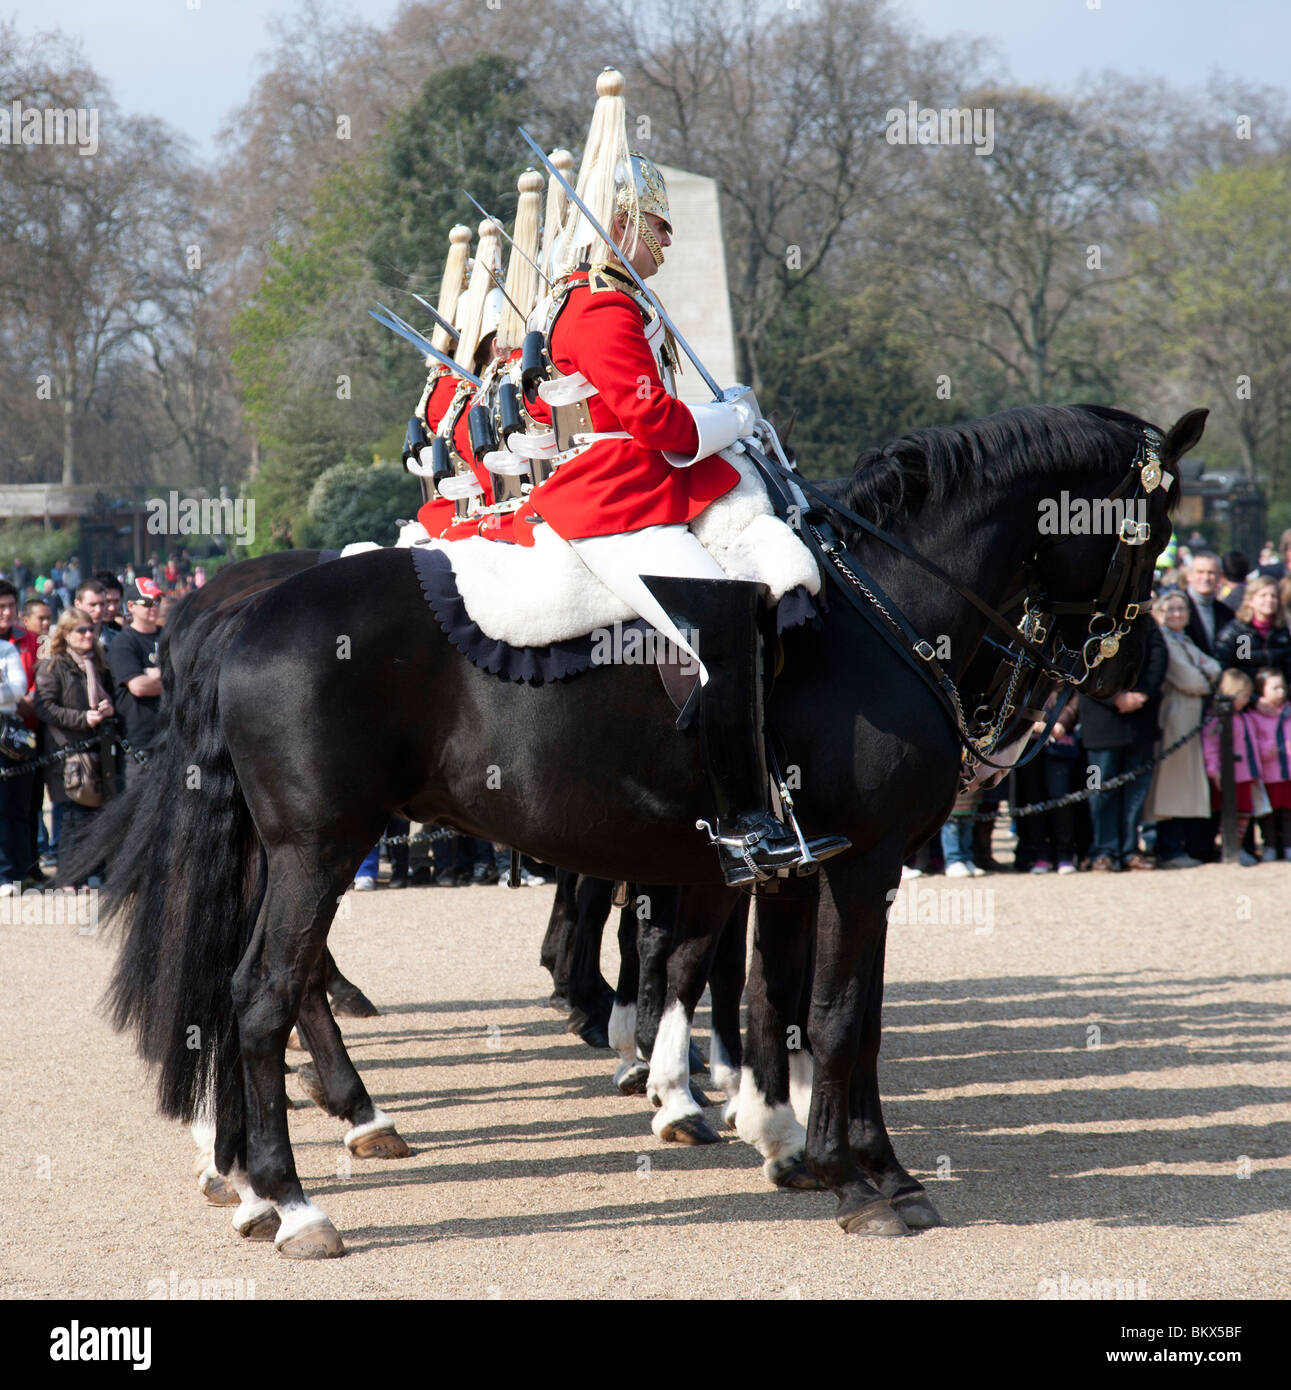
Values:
[(185, 881)]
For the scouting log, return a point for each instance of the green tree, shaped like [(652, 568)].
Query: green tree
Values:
[(852, 375), (350, 502), (1216, 292), (316, 384), (458, 132)]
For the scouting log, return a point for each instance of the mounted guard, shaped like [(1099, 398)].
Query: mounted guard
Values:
[(627, 466)]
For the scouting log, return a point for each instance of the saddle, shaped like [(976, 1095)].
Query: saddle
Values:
[(536, 613)]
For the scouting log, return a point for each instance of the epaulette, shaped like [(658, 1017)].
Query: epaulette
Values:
[(605, 277)]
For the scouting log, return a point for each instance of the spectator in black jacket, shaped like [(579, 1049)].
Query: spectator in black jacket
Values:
[(1118, 735), (1208, 615), (1258, 636)]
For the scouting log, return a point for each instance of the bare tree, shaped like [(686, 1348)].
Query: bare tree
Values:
[(90, 246)]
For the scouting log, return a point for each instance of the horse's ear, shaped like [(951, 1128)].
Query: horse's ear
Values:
[(1184, 435)]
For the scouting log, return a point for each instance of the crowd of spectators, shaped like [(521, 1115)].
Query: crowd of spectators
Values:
[(79, 665), (1222, 632)]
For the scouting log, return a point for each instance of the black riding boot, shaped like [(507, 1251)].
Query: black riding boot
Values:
[(752, 844)]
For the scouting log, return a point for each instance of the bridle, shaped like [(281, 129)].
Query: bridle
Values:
[(1034, 645)]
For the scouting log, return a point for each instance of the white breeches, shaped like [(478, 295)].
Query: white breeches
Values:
[(620, 560)]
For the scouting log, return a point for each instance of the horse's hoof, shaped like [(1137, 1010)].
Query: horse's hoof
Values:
[(318, 1241), (917, 1211), (875, 1218), (699, 1097), (217, 1190), (381, 1143), (262, 1227), (294, 1043), (793, 1175), (353, 1003), (307, 1076), (632, 1082), (592, 1031), (690, 1129), (696, 1062)]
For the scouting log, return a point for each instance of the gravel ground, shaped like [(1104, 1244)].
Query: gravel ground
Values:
[(1153, 1148)]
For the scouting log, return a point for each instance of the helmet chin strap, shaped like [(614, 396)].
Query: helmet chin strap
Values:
[(651, 241)]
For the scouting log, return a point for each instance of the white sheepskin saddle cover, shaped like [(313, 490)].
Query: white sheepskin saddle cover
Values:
[(531, 596)]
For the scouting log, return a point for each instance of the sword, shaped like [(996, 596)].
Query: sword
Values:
[(717, 391), (396, 325), (501, 289), (490, 218), (437, 316)]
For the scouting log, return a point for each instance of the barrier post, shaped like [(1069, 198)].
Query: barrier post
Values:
[(1227, 783)]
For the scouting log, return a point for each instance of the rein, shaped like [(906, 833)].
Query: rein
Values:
[(1027, 643)]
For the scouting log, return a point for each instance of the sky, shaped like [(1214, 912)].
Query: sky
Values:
[(192, 66)]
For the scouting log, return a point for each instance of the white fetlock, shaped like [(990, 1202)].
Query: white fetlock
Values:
[(669, 1084), (772, 1128), (252, 1211), (251, 1214), (307, 1233), (802, 1067), (380, 1123), (622, 1032)]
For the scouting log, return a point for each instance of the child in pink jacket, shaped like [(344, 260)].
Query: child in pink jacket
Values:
[(1270, 718), (1238, 687)]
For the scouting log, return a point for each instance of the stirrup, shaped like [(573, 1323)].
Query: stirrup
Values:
[(740, 845)]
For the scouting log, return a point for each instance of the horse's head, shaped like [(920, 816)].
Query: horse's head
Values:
[(1098, 550)]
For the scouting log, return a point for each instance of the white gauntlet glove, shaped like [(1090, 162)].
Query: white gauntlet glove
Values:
[(719, 424)]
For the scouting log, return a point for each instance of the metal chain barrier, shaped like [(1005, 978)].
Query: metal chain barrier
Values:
[(1056, 803)]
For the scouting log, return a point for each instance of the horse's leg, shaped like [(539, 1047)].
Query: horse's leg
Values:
[(849, 939), (348, 1000), (304, 885), (211, 1183), (697, 920), (726, 986), (558, 942), (775, 1083), (630, 1075), (334, 1085), (869, 1136), (654, 908), (590, 996)]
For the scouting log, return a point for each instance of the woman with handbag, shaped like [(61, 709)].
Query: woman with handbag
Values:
[(72, 702)]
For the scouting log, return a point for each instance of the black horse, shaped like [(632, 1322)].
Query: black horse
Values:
[(316, 730)]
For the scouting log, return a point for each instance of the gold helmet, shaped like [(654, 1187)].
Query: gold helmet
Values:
[(646, 192)]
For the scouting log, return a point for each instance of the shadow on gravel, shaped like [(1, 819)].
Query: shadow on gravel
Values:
[(1013, 1037), (1028, 1031)]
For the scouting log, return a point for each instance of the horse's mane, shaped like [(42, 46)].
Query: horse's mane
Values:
[(932, 465)]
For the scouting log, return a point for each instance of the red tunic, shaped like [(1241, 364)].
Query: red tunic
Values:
[(621, 484), (438, 512)]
